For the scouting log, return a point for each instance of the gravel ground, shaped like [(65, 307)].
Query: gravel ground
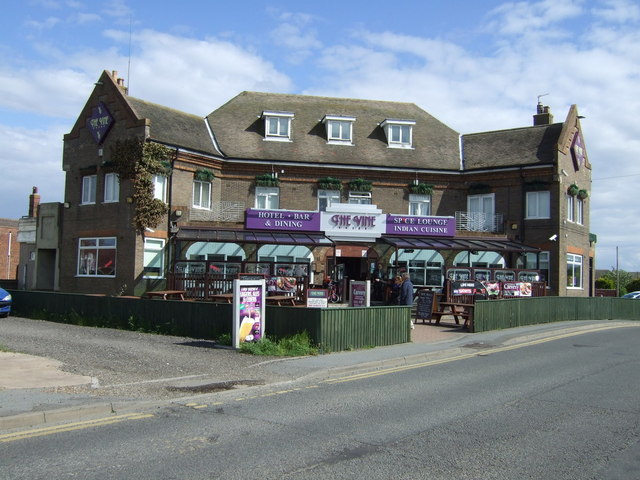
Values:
[(135, 365)]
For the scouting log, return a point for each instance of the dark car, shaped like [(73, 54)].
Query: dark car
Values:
[(5, 303)]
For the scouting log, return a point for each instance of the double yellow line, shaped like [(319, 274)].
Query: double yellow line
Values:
[(483, 353), (69, 427)]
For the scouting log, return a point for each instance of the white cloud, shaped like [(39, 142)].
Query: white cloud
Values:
[(30, 158)]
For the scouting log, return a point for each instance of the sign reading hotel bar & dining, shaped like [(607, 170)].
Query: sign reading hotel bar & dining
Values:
[(372, 224)]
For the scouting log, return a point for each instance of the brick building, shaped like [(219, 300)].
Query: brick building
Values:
[(318, 186)]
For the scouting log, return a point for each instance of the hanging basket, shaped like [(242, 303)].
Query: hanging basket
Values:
[(582, 194), (573, 189)]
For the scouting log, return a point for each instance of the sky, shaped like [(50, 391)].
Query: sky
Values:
[(475, 65)]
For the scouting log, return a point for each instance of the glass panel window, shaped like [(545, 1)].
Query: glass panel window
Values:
[(419, 205), (88, 189), (111, 187), (481, 213), (153, 258), (362, 198), (580, 211), (570, 207), (538, 205), (339, 129), (399, 132), (277, 125), (574, 271), (326, 198), (160, 187), (201, 194), (267, 198), (97, 257)]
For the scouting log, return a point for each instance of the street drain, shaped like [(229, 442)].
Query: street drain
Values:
[(216, 387)]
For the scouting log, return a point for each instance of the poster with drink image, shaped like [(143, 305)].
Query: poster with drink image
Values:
[(248, 311)]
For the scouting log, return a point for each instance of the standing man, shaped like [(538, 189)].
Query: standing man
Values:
[(378, 283), (406, 292)]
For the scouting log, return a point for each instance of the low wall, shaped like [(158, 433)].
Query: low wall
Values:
[(500, 314), (334, 329)]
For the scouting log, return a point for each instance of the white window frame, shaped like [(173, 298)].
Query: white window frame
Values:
[(538, 205), (89, 190), (419, 205), (327, 198), (153, 257), (282, 123), (571, 201), (160, 187), (580, 211), (399, 133), (344, 127), (111, 188), (267, 198), (89, 256), (574, 271), (359, 198), (202, 194)]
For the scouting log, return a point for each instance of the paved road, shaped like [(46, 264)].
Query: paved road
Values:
[(564, 409)]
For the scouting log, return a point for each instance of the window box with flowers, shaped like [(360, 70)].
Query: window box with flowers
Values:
[(360, 185), (329, 183), (421, 188), (204, 175), (267, 180)]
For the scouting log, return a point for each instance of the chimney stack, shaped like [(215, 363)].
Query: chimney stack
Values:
[(543, 115), (34, 203)]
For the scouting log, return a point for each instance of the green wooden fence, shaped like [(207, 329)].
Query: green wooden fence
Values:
[(334, 329), (499, 314)]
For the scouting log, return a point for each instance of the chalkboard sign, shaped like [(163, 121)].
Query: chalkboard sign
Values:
[(424, 306)]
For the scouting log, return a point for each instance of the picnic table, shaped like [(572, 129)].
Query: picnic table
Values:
[(281, 300), (166, 294), (221, 297)]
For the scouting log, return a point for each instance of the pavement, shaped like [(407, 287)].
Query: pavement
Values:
[(37, 391)]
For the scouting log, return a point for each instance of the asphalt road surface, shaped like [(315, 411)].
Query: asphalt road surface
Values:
[(564, 409)]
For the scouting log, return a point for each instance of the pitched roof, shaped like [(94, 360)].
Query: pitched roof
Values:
[(174, 127), (536, 145), (239, 130)]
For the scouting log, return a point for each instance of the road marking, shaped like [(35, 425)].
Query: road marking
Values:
[(484, 353), (11, 437)]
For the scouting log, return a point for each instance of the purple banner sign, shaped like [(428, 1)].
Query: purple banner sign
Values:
[(282, 220), (414, 225)]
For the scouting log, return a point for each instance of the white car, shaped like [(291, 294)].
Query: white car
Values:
[(632, 295)]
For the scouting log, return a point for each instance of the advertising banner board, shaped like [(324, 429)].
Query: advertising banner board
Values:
[(248, 311)]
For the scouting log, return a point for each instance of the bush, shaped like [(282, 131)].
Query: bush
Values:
[(633, 286), (605, 283), (295, 346)]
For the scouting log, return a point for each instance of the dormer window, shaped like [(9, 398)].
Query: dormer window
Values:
[(339, 129), (399, 132), (277, 126)]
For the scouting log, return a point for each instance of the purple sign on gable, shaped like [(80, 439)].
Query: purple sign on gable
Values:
[(414, 225), (100, 122), (282, 220)]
